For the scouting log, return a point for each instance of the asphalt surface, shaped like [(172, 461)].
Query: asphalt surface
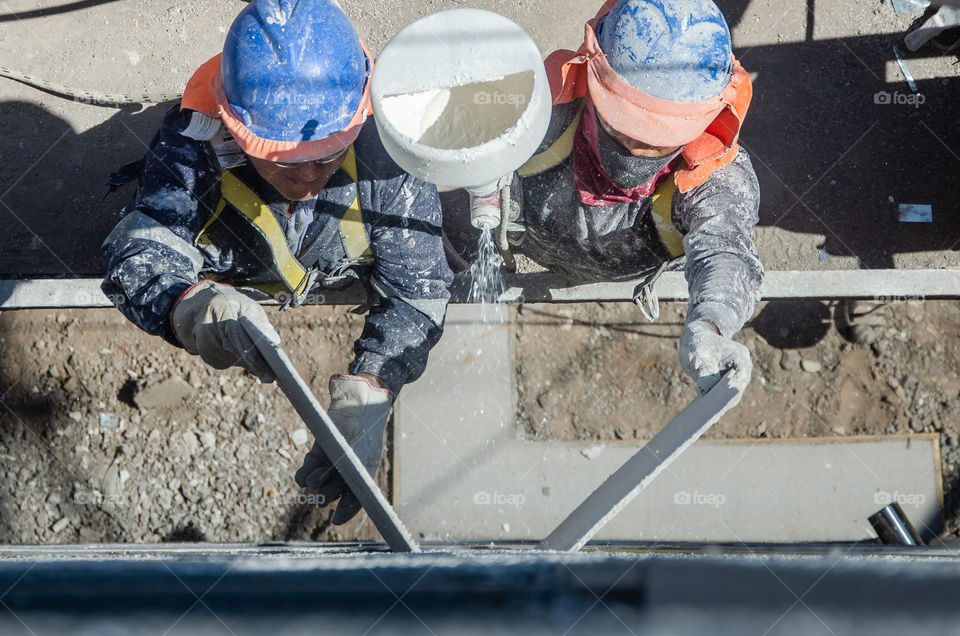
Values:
[(835, 160)]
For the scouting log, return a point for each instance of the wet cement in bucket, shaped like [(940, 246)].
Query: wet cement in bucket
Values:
[(462, 116)]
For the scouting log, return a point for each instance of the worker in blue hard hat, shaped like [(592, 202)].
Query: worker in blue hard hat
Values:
[(270, 176), (640, 171)]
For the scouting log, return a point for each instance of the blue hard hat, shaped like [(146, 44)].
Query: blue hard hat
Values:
[(672, 49), (294, 70)]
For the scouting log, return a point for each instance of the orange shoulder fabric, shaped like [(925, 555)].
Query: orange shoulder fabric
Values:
[(717, 146), (567, 73), (199, 95)]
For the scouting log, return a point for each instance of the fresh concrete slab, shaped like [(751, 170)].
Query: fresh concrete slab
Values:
[(464, 472)]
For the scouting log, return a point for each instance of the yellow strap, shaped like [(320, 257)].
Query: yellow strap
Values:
[(352, 232), (557, 153), (662, 212), (246, 201)]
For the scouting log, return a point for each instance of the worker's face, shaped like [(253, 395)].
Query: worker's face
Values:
[(299, 181), (636, 148)]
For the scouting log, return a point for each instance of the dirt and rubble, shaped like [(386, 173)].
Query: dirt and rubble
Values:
[(618, 378), (107, 434)]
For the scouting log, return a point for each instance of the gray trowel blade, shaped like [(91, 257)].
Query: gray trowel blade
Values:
[(333, 443)]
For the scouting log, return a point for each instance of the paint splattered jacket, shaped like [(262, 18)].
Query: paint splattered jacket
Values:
[(618, 242), (151, 257)]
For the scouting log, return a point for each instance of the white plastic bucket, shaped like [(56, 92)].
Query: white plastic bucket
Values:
[(461, 98)]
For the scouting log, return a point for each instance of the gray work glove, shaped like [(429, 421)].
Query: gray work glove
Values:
[(705, 355), (360, 411), (205, 320)]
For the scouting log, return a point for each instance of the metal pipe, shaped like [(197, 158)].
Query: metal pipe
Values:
[(485, 211), (893, 527), (503, 245), (457, 262)]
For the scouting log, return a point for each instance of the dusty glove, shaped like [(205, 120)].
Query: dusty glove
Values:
[(360, 411), (705, 356), (205, 320)]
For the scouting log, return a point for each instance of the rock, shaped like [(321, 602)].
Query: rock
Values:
[(208, 439), (164, 394), (593, 452), (251, 421), (60, 525), (811, 366), (840, 430), (194, 379), (76, 416), (190, 442), (243, 453), (111, 484), (789, 360), (190, 492), (548, 399), (299, 437), (109, 420)]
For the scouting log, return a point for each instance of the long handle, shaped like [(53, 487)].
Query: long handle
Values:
[(333, 443), (646, 465)]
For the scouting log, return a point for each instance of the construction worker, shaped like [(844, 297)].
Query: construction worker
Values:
[(640, 171), (270, 176)]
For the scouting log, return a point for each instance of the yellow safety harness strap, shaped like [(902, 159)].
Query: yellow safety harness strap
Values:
[(243, 199), (557, 153), (352, 231), (662, 213), (295, 277)]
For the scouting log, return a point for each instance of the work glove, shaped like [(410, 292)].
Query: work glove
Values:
[(705, 355), (206, 322), (360, 411)]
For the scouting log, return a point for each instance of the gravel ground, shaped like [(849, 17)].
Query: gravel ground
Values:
[(110, 435)]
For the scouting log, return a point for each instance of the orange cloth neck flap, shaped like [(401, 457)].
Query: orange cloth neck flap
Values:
[(205, 94), (708, 131)]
